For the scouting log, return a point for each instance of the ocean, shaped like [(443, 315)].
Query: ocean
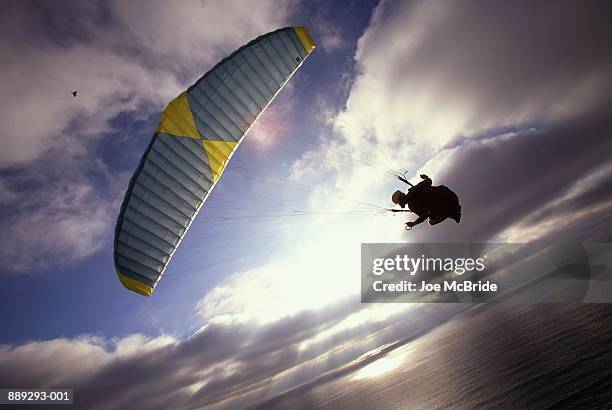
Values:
[(490, 356)]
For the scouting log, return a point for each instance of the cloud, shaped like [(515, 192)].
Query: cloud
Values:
[(67, 229), (510, 157), (309, 273), (513, 153), (116, 54), (433, 71), (496, 108), (329, 34), (508, 183), (65, 161), (222, 365), (496, 101), (582, 213)]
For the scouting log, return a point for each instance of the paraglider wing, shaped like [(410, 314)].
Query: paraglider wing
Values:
[(195, 138)]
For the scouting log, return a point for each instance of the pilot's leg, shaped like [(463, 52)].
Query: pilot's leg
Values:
[(434, 220)]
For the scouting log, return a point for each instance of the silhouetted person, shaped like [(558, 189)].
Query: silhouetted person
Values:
[(434, 202), (74, 93)]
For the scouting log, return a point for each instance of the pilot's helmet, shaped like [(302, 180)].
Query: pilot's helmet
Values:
[(397, 195)]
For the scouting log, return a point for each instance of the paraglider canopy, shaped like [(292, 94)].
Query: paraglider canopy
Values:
[(195, 138)]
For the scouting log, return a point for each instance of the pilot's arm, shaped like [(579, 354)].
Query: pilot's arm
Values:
[(417, 221)]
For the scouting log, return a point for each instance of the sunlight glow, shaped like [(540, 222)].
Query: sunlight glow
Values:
[(379, 367), (317, 271)]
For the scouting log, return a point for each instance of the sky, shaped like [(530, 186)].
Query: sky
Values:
[(508, 103)]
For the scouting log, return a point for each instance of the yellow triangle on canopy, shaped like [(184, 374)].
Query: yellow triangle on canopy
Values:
[(177, 119), (218, 153)]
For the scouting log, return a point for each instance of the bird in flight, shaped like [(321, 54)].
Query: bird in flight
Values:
[(74, 93)]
